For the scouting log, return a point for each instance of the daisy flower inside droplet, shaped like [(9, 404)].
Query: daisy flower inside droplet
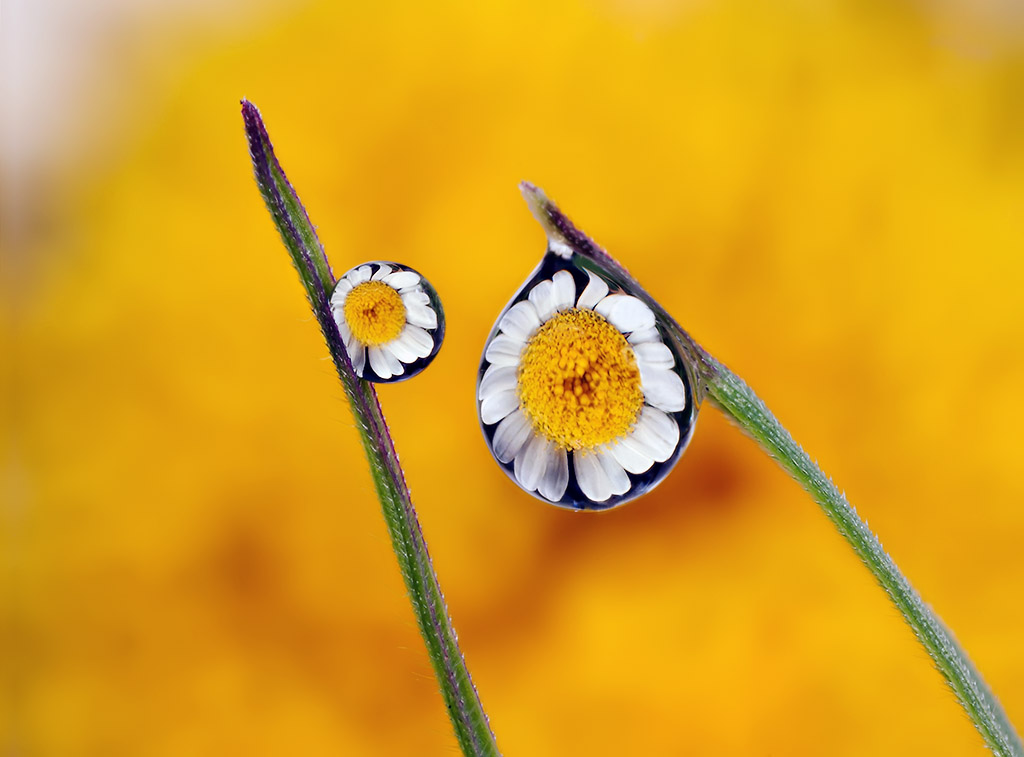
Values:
[(390, 319), (582, 401)]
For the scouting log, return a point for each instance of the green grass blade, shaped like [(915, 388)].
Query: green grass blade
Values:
[(461, 700), (741, 405)]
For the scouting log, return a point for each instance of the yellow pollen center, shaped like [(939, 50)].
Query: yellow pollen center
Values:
[(375, 313), (578, 381)]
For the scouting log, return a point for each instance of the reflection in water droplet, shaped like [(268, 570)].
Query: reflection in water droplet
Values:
[(583, 400), (390, 318)]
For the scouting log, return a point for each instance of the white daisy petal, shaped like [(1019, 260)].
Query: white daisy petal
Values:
[(655, 355), (617, 478), (626, 313), (384, 270), (417, 340), (504, 350), (520, 321), (404, 350), (605, 306), (415, 297), (532, 461), (655, 434), (662, 389), (357, 355), (421, 315), (497, 406), (394, 362), (379, 362), (556, 476), (637, 445), (563, 289), (351, 343), (661, 424), (340, 291), (591, 477), (631, 458), (358, 275), (498, 378), (543, 299), (596, 291), (644, 335), (343, 329), (402, 279), (510, 436)]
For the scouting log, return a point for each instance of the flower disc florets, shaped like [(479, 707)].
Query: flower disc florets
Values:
[(375, 313), (578, 381)]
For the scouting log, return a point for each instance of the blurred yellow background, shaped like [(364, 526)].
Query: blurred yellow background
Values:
[(828, 195)]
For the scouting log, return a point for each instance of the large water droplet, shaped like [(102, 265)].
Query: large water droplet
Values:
[(584, 400)]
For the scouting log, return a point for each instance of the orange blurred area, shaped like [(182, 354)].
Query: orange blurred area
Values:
[(829, 196)]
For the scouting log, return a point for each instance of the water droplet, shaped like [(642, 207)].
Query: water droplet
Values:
[(390, 319), (584, 400)]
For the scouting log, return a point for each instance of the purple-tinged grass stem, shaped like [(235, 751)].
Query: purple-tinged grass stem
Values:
[(299, 236), (737, 401)]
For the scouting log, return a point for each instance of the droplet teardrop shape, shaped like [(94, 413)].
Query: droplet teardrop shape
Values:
[(584, 400), (390, 318)]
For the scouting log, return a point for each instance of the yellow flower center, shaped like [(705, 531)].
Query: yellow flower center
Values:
[(578, 381), (375, 313)]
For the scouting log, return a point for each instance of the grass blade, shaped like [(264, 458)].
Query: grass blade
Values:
[(741, 405), (467, 715)]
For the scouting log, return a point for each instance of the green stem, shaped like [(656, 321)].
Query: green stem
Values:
[(467, 714), (739, 402)]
